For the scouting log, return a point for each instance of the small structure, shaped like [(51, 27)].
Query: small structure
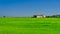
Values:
[(39, 16)]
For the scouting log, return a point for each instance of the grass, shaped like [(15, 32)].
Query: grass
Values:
[(29, 25)]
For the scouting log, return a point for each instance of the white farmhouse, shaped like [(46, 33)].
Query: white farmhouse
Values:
[(39, 16)]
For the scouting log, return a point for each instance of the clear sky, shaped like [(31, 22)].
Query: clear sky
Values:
[(29, 7)]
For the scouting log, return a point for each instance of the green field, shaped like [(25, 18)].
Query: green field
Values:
[(29, 25)]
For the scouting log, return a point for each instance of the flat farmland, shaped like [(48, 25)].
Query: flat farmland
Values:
[(29, 25)]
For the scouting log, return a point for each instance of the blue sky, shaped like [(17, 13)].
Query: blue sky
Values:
[(29, 7)]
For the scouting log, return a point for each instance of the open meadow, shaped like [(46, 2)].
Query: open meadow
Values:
[(29, 25)]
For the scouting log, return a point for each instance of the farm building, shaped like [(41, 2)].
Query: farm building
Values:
[(39, 16)]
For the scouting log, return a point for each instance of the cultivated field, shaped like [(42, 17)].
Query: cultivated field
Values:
[(29, 25)]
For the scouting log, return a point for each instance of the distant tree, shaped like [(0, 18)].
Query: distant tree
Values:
[(4, 16), (49, 16), (34, 16), (56, 16)]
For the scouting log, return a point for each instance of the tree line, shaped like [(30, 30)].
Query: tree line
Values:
[(53, 16)]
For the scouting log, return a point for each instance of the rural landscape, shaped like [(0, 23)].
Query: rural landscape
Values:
[(29, 16), (29, 25)]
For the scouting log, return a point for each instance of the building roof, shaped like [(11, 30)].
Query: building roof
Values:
[(38, 15)]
